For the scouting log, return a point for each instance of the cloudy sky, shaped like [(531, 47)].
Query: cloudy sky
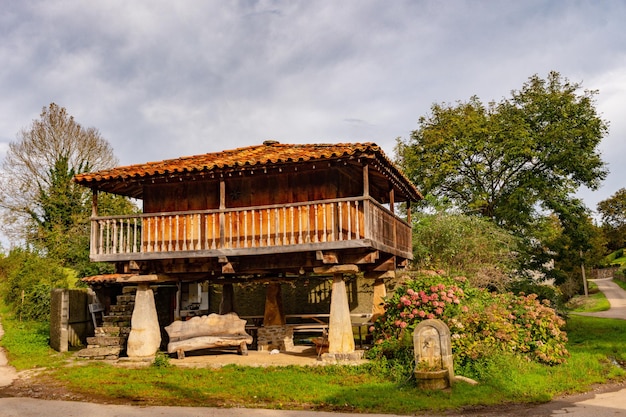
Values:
[(162, 79)]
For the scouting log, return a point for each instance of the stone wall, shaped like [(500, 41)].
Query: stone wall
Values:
[(70, 321), (275, 337), (304, 296)]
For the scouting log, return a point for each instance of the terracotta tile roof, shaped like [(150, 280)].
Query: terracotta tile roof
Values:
[(105, 279), (268, 154)]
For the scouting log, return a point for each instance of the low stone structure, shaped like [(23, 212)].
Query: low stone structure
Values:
[(434, 366), (275, 337), (205, 332)]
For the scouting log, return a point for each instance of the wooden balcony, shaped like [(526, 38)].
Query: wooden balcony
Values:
[(263, 230)]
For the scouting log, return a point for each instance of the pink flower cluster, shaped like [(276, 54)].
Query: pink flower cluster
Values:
[(426, 305)]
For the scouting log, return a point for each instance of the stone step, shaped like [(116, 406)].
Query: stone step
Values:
[(125, 299), (124, 309), (112, 331), (106, 341), (100, 353)]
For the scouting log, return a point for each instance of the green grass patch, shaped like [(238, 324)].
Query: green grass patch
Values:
[(596, 345), (28, 344), (596, 301)]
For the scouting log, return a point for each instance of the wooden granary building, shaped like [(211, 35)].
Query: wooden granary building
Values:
[(271, 212)]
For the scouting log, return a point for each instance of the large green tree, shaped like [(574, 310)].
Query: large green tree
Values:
[(509, 159), (613, 212)]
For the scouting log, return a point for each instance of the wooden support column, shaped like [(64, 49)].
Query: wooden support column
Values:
[(378, 301), (274, 313), (340, 337), (93, 241), (222, 217), (366, 180), (228, 299), (408, 212)]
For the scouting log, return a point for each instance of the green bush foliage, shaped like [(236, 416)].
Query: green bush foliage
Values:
[(26, 280), (481, 323), (484, 252)]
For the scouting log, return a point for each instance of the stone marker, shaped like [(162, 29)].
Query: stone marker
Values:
[(433, 353)]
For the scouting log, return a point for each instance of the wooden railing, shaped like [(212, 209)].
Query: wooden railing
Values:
[(248, 228)]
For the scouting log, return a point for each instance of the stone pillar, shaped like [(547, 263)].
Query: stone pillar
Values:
[(340, 337), (228, 299), (145, 335), (274, 313)]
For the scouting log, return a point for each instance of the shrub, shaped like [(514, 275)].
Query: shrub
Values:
[(481, 323), (27, 279)]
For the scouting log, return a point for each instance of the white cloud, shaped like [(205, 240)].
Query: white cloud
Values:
[(161, 79)]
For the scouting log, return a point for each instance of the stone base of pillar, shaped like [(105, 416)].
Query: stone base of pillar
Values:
[(343, 358), (275, 337)]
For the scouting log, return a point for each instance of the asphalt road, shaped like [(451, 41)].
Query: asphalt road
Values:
[(607, 402)]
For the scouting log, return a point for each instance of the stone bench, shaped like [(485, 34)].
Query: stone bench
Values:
[(206, 332)]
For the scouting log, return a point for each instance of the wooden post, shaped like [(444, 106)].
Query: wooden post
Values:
[(340, 337), (378, 301), (366, 181), (274, 313), (408, 212), (222, 219), (228, 299), (94, 230)]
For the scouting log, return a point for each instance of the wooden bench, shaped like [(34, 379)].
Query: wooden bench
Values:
[(206, 332)]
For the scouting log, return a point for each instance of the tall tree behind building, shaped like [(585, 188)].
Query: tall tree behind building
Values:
[(40, 204)]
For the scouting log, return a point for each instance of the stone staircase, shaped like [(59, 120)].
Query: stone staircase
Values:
[(109, 341)]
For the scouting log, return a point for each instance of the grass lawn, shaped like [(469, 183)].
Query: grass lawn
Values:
[(595, 351)]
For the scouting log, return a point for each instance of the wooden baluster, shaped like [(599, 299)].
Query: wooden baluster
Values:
[(253, 243), (357, 218), (169, 243), (317, 228), (284, 231), (230, 228), (163, 245), (199, 230), (155, 237), (214, 244), (245, 228), (122, 240), (114, 234), (176, 233), (184, 233), (191, 229), (292, 237), (276, 227), (307, 236), (144, 248), (101, 248), (300, 241), (260, 228), (332, 222), (324, 233), (349, 222), (340, 221), (135, 235), (206, 231), (269, 228)]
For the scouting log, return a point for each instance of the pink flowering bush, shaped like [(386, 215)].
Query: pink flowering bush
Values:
[(481, 323)]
